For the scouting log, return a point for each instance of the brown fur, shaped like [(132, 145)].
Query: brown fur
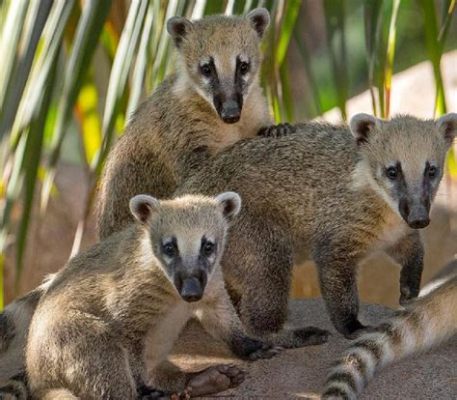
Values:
[(116, 304), (180, 119), (317, 192), (14, 326)]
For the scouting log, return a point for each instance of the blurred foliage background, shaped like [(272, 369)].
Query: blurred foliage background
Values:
[(73, 71)]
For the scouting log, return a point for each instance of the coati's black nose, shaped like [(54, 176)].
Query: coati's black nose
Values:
[(419, 223), (416, 216), (230, 112), (191, 289)]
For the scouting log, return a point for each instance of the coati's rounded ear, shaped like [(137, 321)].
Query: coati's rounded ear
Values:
[(178, 28), (259, 19), (143, 206), (231, 204), (362, 126), (448, 126)]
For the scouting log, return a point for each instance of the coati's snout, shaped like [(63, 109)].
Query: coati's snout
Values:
[(416, 215), (190, 285), (229, 109)]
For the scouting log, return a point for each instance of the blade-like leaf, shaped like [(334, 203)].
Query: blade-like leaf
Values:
[(142, 60), (16, 85), (52, 38), (118, 77), (391, 38), (11, 34), (287, 27), (431, 40), (32, 157), (372, 19), (93, 16), (160, 58), (335, 22)]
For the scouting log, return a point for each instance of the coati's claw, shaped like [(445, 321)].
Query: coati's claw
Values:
[(265, 352), (277, 130), (311, 336), (185, 395), (150, 393), (359, 332), (407, 295), (215, 379)]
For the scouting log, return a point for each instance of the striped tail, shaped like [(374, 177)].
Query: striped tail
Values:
[(428, 322)]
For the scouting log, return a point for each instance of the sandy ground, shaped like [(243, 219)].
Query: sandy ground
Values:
[(300, 373)]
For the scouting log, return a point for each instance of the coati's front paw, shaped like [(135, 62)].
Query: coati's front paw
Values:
[(407, 294), (265, 351), (311, 336), (150, 393), (277, 130), (359, 332), (352, 329), (214, 379)]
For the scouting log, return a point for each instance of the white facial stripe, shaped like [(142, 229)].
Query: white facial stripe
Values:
[(146, 256), (362, 177), (205, 60), (189, 245), (243, 58)]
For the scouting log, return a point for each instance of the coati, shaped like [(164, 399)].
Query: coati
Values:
[(424, 323), (14, 325), (336, 193), (212, 101), (127, 299)]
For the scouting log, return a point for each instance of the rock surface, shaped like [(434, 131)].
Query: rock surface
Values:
[(300, 373)]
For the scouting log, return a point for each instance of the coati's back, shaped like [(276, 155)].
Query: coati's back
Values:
[(212, 101), (325, 174), (425, 323), (283, 178)]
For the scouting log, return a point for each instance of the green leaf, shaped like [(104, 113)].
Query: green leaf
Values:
[(335, 23), (16, 84), (9, 45), (287, 28), (50, 46), (118, 77), (30, 166), (90, 25), (431, 40), (142, 60)]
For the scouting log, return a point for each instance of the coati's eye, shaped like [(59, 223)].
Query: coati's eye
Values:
[(205, 70), (432, 171), (169, 249), (392, 173), (244, 67), (207, 248)]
